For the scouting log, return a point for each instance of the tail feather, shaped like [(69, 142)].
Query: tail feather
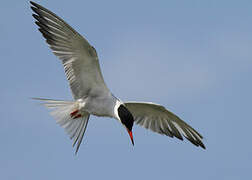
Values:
[(51, 103), (61, 111)]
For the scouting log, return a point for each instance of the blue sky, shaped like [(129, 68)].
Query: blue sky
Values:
[(194, 57)]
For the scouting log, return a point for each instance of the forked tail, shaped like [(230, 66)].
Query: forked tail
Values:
[(68, 116)]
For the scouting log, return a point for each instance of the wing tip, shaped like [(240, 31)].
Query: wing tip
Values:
[(196, 142), (203, 146), (33, 4)]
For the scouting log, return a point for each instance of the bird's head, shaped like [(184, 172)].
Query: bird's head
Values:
[(127, 120)]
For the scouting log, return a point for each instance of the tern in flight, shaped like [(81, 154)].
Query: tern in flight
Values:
[(90, 93)]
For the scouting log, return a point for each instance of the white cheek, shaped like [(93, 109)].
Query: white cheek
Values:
[(118, 103)]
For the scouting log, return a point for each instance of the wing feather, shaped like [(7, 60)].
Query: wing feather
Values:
[(79, 58), (158, 119)]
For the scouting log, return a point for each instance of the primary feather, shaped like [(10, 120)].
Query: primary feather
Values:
[(158, 119), (79, 58)]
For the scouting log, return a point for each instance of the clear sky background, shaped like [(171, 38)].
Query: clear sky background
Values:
[(194, 57)]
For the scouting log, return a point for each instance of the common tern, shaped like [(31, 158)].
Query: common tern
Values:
[(90, 93)]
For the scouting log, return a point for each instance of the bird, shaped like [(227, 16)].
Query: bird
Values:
[(91, 95)]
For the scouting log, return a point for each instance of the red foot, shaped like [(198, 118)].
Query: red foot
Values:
[(73, 114)]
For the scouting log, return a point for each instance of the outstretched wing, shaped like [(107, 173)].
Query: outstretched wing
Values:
[(158, 119), (79, 58)]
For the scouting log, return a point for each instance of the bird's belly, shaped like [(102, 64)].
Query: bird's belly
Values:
[(99, 112), (99, 107)]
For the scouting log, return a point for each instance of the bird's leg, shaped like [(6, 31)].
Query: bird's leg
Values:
[(73, 114), (77, 113)]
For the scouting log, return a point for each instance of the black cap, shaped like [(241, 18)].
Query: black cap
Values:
[(126, 117)]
